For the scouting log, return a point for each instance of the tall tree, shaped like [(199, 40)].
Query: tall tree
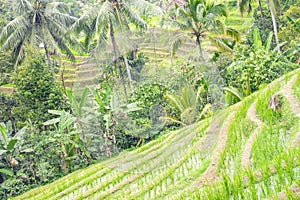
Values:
[(275, 9), (200, 17), (39, 24), (105, 18)]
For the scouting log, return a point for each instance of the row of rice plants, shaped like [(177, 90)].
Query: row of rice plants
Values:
[(190, 184), (163, 164), (265, 182), (113, 164), (276, 135), (174, 174), (134, 165), (239, 130), (236, 140), (171, 157), (61, 184), (78, 176), (151, 150)]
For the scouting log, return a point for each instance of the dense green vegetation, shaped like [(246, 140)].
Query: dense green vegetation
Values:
[(149, 99)]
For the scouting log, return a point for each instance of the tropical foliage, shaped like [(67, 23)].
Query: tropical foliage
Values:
[(40, 24), (157, 98)]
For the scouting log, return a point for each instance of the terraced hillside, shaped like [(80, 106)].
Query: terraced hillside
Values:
[(246, 151)]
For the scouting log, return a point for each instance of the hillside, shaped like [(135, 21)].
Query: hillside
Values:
[(246, 151)]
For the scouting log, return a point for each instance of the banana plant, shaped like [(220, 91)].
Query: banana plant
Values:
[(7, 141), (77, 110), (65, 135), (8, 145), (233, 95), (110, 107), (188, 105)]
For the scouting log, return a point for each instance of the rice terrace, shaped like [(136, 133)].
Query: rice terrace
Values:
[(149, 99)]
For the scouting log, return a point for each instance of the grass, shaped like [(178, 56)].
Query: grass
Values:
[(170, 166), (8, 85), (296, 87)]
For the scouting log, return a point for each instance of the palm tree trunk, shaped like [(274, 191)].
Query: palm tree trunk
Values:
[(112, 36), (200, 48), (275, 28), (260, 8), (171, 53), (128, 72), (154, 48), (48, 56), (63, 160)]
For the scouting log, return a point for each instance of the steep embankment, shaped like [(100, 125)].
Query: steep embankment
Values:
[(241, 153)]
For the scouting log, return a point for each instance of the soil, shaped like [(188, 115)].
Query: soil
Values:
[(288, 92), (246, 155), (211, 173)]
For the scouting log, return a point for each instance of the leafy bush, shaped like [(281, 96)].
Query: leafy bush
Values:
[(256, 65), (7, 103), (6, 68), (148, 122), (290, 33), (264, 24), (36, 90)]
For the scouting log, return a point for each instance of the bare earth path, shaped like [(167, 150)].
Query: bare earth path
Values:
[(288, 92), (252, 115), (210, 174)]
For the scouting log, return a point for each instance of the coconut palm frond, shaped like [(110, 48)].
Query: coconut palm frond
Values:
[(85, 20), (57, 7), (133, 17), (104, 14), (181, 26), (177, 42), (295, 23), (23, 6), (63, 19), (205, 110), (218, 10), (219, 43), (150, 7), (234, 34), (16, 37), (102, 40), (234, 92), (175, 100), (19, 52), (12, 26), (90, 32)]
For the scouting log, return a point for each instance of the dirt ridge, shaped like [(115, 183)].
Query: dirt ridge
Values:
[(252, 115), (211, 172)]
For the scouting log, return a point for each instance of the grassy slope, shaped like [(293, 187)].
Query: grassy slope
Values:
[(173, 166)]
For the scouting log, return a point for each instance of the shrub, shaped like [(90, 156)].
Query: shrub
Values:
[(36, 90)]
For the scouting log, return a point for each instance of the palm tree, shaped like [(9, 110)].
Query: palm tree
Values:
[(199, 17), (105, 18), (274, 7), (39, 24)]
